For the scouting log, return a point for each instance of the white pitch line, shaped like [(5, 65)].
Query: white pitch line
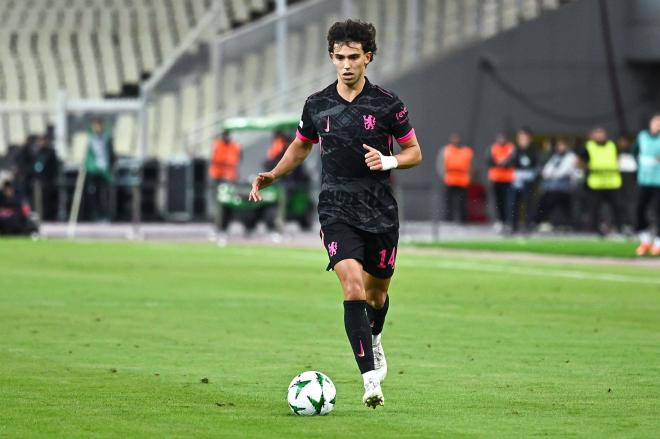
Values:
[(491, 268), (580, 275)]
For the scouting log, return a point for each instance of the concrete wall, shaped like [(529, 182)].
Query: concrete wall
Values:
[(558, 62)]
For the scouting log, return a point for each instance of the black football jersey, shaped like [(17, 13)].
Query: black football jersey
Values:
[(350, 192)]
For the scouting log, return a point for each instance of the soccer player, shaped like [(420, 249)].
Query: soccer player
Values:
[(354, 122)]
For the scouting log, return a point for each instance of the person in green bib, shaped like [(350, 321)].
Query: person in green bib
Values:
[(600, 158), (98, 165), (647, 152)]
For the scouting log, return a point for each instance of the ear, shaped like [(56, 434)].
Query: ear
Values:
[(370, 56)]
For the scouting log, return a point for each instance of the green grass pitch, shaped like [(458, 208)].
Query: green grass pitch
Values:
[(115, 340), (596, 247)]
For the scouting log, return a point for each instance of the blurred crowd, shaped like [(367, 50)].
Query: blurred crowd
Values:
[(596, 184), (32, 177), (591, 184)]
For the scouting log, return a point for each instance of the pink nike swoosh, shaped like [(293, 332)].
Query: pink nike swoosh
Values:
[(361, 354), (327, 125)]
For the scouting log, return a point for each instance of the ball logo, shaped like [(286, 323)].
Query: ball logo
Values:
[(369, 122), (332, 248)]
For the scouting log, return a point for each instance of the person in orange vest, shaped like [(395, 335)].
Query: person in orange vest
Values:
[(456, 170), (500, 174), (225, 159), (277, 147)]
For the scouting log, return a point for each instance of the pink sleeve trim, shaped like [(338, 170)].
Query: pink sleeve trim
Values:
[(305, 139), (407, 137)]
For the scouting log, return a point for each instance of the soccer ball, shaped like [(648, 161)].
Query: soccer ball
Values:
[(311, 393)]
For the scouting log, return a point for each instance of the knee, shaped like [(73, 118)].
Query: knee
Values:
[(376, 297), (353, 288)]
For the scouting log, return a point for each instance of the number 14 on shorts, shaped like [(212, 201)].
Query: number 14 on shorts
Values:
[(390, 261)]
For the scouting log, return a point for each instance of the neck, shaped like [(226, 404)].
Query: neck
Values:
[(349, 92)]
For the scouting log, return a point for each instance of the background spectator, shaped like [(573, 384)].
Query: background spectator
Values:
[(557, 184), (456, 169), (600, 157), (14, 212), (225, 159), (23, 168), (276, 149), (521, 191), (46, 167), (98, 164), (299, 178), (647, 148), (500, 174)]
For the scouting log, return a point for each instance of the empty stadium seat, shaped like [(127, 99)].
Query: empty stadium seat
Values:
[(125, 134), (100, 48), (189, 105)]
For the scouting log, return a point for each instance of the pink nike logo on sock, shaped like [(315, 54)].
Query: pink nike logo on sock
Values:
[(361, 354), (327, 125)]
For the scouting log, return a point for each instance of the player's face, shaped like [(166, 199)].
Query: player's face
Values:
[(350, 61)]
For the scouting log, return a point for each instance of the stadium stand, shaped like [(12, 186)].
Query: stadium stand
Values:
[(103, 49)]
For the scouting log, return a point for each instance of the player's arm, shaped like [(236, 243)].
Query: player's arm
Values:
[(410, 155), (295, 154)]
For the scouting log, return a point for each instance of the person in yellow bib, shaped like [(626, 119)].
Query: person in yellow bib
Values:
[(647, 152), (600, 158)]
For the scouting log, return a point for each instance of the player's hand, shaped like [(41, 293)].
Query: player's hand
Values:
[(263, 180), (372, 158), (378, 162)]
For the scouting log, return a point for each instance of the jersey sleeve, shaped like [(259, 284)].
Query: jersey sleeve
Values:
[(399, 121), (306, 129)]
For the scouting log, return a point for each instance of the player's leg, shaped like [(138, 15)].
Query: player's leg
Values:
[(349, 272), (356, 323), (377, 300), (378, 303), (379, 261), (346, 251)]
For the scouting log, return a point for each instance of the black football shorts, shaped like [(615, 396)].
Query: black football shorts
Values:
[(375, 251)]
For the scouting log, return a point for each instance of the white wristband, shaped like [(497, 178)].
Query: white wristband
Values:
[(388, 162)]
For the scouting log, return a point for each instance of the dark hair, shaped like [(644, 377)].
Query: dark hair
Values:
[(356, 31)]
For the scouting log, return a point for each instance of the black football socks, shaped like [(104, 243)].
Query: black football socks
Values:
[(377, 316), (359, 333)]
